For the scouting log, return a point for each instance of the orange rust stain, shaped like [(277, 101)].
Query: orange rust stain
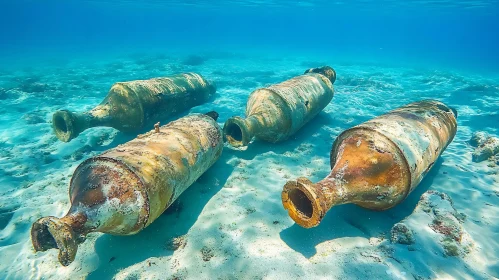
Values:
[(91, 197), (370, 172)]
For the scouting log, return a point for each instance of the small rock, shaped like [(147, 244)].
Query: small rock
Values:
[(446, 226), (478, 138), (401, 234), (176, 243), (447, 222), (374, 241), (486, 150), (207, 253), (436, 210), (250, 210), (450, 248)]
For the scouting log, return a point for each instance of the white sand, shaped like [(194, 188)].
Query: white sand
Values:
[(234, 224)]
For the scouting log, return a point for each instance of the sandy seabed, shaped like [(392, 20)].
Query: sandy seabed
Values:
[(231, 224)]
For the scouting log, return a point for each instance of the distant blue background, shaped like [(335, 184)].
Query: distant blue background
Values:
[(454, 37)]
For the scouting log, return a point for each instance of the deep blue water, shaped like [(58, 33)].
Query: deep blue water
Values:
[(459, 34)]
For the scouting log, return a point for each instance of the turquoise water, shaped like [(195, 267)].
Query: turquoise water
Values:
[(450, 33), (66, 55)]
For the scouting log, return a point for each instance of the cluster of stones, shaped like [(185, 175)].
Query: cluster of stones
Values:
[(445, 221), (486, 146)]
